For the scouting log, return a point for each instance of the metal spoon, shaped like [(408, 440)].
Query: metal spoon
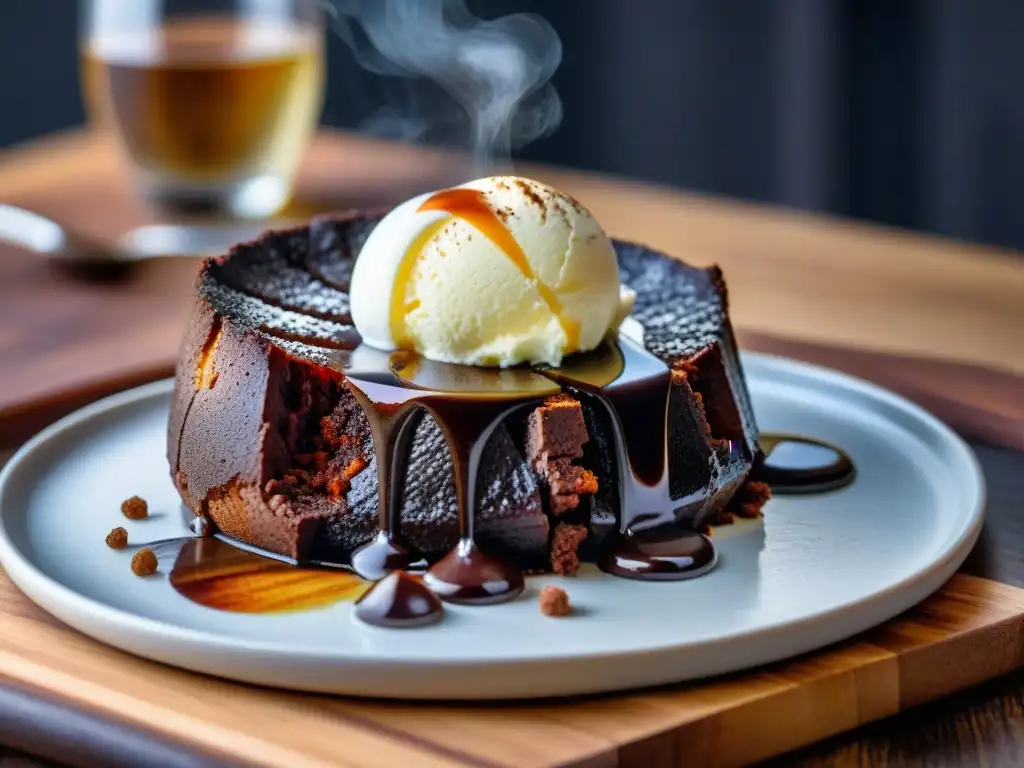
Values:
[(45, 237)]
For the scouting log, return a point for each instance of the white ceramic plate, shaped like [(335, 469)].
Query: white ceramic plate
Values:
[(816, 570)]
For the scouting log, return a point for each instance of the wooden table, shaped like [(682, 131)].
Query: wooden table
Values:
[(854, 296)]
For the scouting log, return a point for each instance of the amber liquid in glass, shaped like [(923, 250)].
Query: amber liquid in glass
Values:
[(210, 109)]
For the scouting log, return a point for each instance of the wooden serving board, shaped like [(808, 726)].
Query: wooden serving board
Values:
[(969, 632), (64, 696)]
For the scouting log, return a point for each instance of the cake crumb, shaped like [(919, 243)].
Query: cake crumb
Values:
[(206, 374), (144, 562), (750, 499), (135, 508), (554, 601), (117, 538), (556, 429), (565, 544)]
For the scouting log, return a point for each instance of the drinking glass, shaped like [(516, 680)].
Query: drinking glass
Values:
[(213, 101)]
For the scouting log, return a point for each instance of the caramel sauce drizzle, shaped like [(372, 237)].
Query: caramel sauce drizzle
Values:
[(219, 575), (400, 308), (206, 373), (471, 206)]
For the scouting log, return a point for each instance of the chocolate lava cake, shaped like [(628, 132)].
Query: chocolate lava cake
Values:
[(266, 440)]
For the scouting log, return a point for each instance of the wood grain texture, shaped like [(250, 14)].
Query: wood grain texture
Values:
[(64, 342), (834, 282), (971, 631), (984, 726)]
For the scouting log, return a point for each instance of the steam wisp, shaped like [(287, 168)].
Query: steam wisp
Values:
[(498, 71)]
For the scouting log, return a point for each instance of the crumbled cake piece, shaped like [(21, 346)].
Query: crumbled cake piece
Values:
[(144, 562), (117, 538), (565, 544), (562, 504), (338, 484), (746, 503), (564, 477), (135, 508), (565, 482), (556, 434), (554, 601), (556, 429), (750, 499), (681, 373)]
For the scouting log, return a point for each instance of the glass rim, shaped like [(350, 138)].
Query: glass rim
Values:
[(104, 17)]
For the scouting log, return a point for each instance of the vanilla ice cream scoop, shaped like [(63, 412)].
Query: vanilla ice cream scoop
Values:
[(496, 272)]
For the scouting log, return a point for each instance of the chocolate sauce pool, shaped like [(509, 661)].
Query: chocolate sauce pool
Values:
[(661, 554), (794, 464), (399, 600)]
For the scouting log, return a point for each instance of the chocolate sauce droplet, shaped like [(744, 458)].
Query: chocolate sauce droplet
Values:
[(399, 600), (390, 418), (201, 526), (662, 554), (469, 575), (795, 464), (466, 574), (381, 556)]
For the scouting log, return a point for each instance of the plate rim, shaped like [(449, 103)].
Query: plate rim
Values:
[(47, 591)]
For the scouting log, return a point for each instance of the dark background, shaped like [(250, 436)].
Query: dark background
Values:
[(904, 112)]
